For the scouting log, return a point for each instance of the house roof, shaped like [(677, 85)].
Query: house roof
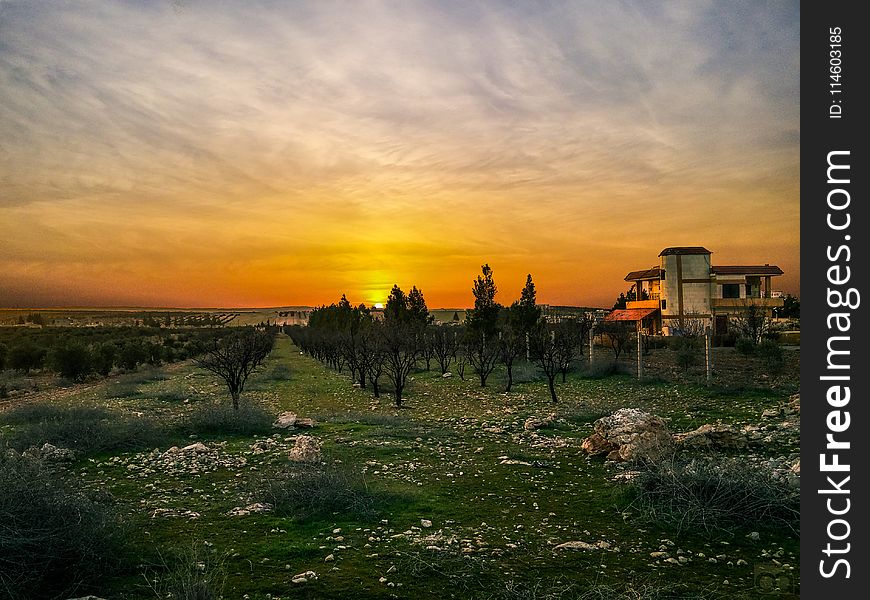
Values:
[(630, 314), (653, 273), (746, 270), (684, 250)]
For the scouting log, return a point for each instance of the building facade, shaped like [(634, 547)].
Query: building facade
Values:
[(686, 290)]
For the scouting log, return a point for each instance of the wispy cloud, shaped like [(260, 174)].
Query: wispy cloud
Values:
[(158, 137)]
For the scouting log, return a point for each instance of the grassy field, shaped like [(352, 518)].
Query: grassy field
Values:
[(459, 499)]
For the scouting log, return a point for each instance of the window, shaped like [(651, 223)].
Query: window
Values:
[(664, 305), (731, 290), (662, 275)]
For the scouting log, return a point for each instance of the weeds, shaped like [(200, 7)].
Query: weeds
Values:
[(313, 491), (211, 418), (195, 572), (53, 538), (715, 494), (85, 429)]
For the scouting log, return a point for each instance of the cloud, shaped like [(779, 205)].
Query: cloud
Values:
[(155, 133)]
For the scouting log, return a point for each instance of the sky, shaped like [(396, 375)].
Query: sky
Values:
[(229, 154)]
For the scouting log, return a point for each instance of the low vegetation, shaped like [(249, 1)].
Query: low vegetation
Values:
[(464, 492), (55, 537)]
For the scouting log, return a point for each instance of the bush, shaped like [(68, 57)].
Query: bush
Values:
[(85, 429), (54, 537), (72, 360), (715, 493), (26, 356), (599, 369), (771, 355), (210, 418), (132, 354), (279, 372), (745, 346), (313, 491), (195, 572), (687, 356), (104, 357)]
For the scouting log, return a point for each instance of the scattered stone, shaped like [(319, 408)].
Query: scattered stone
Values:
[(770, 413), (712, 436), (580, 545), (533, 423), (242, 511), (195, 447), (754, 536), (425, 523), (285, 420), (306, 423), (447, 374), (629, 434), (306, 450), (329, 558), (51, 453), (304, 577)]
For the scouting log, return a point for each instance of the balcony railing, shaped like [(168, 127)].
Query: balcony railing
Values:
[(743, 302)]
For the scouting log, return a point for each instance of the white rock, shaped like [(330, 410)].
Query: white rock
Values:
[(285, 420), (425, 523), (195, 447)]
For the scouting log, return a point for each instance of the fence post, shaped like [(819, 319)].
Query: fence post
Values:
[(708, 353), (591, 342), (639, 350)]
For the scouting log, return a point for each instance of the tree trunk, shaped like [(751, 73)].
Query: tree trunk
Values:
[(550, 381), (398, 397), (235, 396), (564, 372), (376, 388), (362, 379), (510, 374)]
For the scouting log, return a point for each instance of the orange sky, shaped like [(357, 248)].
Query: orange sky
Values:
[(160, 157)]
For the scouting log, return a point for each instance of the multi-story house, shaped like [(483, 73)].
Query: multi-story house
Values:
[(686, 289)]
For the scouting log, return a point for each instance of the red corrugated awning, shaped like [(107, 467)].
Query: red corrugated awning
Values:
[(630, 314)]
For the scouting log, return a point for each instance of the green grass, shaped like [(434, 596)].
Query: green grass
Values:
[(440, 460)]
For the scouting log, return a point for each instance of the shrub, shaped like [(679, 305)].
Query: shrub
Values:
[(745, 346), (85, 429), (132, 354), (771, 355), (26, 356), (279, 372), (314, 491), (104, 357), (211, 418), (715, 493), (54, 537), (195, 572), (72, 360), (599, 369), (686, 357)]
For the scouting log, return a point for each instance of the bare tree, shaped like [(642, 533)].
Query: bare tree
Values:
[(568, 340), (545, 351), (482, 353), (443, 341), (618, 335), (752, 322), (400, 353), (235, 357)]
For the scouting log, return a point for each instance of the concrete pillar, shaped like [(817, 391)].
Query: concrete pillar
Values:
[(591, 343), (639, 350), (708, 353)]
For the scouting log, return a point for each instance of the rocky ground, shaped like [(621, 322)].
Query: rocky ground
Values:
[(487, 491)]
